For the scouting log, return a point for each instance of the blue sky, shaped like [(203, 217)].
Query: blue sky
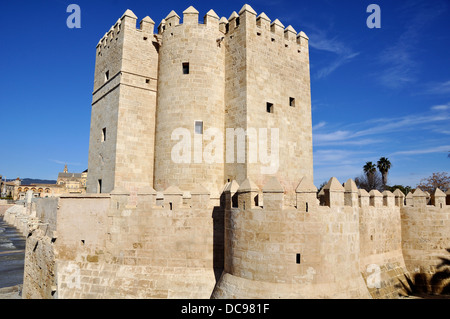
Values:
[(375, 92)]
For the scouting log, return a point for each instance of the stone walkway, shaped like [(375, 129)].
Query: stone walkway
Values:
[(12, 258)]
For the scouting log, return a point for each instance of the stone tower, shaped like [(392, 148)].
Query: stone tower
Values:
[(200, 103), (121, 146), (268, 91), (191, 91)]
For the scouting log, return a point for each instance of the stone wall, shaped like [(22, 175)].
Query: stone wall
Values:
[(123, 107), (426, 247), (184, 99), (360, 245), (347, 249), (106, 246)]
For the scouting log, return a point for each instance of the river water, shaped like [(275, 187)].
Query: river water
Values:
[(12, 255)]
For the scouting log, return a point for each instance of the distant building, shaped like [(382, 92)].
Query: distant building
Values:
[(74, 182), (66, 183)]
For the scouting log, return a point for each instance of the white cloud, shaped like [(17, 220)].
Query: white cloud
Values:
[(320, 41), (439, 88), (441, 107), (438, 149), (399, 61), (319, 125)]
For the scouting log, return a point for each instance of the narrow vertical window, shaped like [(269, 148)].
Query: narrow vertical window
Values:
[(106, 75), (292, 102), (269, 107), (103, 134), (186, 68), (198, 127), (99, 186), (298, 259)]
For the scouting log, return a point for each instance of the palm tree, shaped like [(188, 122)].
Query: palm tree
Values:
[(384, 165), (369, 169)]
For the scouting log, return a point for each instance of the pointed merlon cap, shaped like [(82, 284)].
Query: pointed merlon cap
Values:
[(223, 20), (334, 185), (419, 193), (248, 186), (263, 16), (172, 14), (387, 193), (232, 187), (247, 8), (234, 15), (447, 192), (173, 190), (290, 29), (146, 191), (375, 193), (398, 193), (129, 14), (273, 186), (190, 10), (350, 186), (277, 23), (439, 193), (200, 190), (212, 14), (410, 195), (306, 186), (148, 20), (302, 35), (363, 193)]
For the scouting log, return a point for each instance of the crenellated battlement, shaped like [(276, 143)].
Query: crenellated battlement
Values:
[(333, 194), (126, 22), (261, 26)]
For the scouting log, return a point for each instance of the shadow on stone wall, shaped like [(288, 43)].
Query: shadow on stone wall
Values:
[(437, 283), (218, 238)]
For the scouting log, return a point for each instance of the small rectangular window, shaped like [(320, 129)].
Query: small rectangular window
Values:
[(106, 75), (186, 68), (99, 186), (104, 134), (269, 107), (298, 259), (292, 102), (198, 127)]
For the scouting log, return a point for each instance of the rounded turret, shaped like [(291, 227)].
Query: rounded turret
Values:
[(190, 103)]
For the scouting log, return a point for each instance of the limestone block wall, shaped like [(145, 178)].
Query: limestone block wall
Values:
[(184, 99), (381, 256), (235, 96), (109, 246), (123, 107), (268, 63), (280, 252), (426, 244)]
